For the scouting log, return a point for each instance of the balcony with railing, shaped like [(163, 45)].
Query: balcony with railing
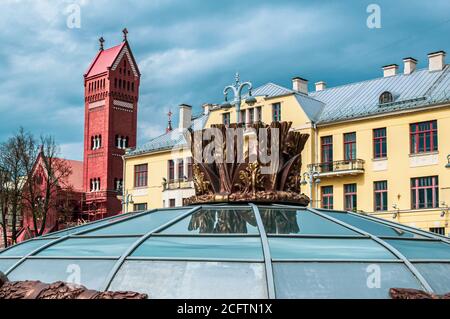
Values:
[(338, 168), (179, 183)]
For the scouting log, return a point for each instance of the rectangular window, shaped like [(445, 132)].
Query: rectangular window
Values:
[(327, 197), (326, 143), (170, 171), (140, 175), (424, 192), (350, 197), (379, 143), (180, 169), (190, 162), (140, 207), (251, 115), (423, 137), (258, 115), (276, 112), (226, 118), (380, 195), (438, 230), (350, 146), (172, 202)]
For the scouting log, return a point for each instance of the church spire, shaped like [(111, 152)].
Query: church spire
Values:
[(169, 122), (125, 33), (101, 41)]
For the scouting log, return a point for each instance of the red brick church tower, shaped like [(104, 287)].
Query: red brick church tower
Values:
[(111, 98)]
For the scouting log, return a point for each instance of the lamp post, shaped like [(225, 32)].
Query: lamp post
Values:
[(127, 199), (237, 88), (448, 161), (310, 177)]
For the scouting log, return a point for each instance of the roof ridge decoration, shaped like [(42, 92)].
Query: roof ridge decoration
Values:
[(230, 180)]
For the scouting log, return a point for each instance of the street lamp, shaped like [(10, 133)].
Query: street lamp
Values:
[(311, 177), (448, 161), (127, 199), (237, 88)]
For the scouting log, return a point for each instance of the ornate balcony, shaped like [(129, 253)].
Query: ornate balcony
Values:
[(179, 183), (338, 168)]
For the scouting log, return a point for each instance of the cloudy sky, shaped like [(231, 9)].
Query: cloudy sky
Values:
[(188, 50)]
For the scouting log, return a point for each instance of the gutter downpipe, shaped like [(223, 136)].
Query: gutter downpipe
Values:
[(316, 157), (125, 203)]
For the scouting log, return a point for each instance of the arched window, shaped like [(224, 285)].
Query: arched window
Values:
[(115, 83), (128, 85), (386, 97), (132, 86)]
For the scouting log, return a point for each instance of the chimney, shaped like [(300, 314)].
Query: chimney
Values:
[(390, 70), (206, 108), (185, 117), (409, 65), (300, 85), (436, 61), (320, 86)]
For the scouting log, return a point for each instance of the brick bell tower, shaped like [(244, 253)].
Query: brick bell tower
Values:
[(111, 92)]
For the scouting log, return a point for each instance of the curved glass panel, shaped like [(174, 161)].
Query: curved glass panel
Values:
[(299, 221), (437, 275), (5, 264), (325, 248), (216, 221), (340, 280), (192, 280), (421, 249), (140, 225), (201, 247), (372, 227), (25, 247), (88, 226), (89, 273), (93, 247)]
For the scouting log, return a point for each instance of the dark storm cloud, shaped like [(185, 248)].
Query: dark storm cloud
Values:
[(189, 50)]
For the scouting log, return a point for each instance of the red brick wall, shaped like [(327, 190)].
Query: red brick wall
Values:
[(108, 121)]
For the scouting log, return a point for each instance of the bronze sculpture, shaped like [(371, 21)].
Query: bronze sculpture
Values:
[(228, 180)]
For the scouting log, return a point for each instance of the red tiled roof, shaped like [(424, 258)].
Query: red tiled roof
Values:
[(103, 60), (76, 178)]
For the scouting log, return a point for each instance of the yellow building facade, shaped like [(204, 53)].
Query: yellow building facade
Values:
[(378, 147)]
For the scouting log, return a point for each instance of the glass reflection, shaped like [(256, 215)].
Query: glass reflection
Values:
[(216, 221), (300, 221), (278, 221)]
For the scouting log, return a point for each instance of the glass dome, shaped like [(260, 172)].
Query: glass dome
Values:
[(238, 251)]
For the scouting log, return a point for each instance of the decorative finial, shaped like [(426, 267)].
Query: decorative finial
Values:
[(237, 78), (169, 122), (101, 41), (125, 32)]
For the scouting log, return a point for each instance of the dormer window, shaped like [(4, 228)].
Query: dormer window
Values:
[(386, 97)]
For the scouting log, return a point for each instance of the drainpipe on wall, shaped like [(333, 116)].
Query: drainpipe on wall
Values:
[(316, 156), (125, 205)]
